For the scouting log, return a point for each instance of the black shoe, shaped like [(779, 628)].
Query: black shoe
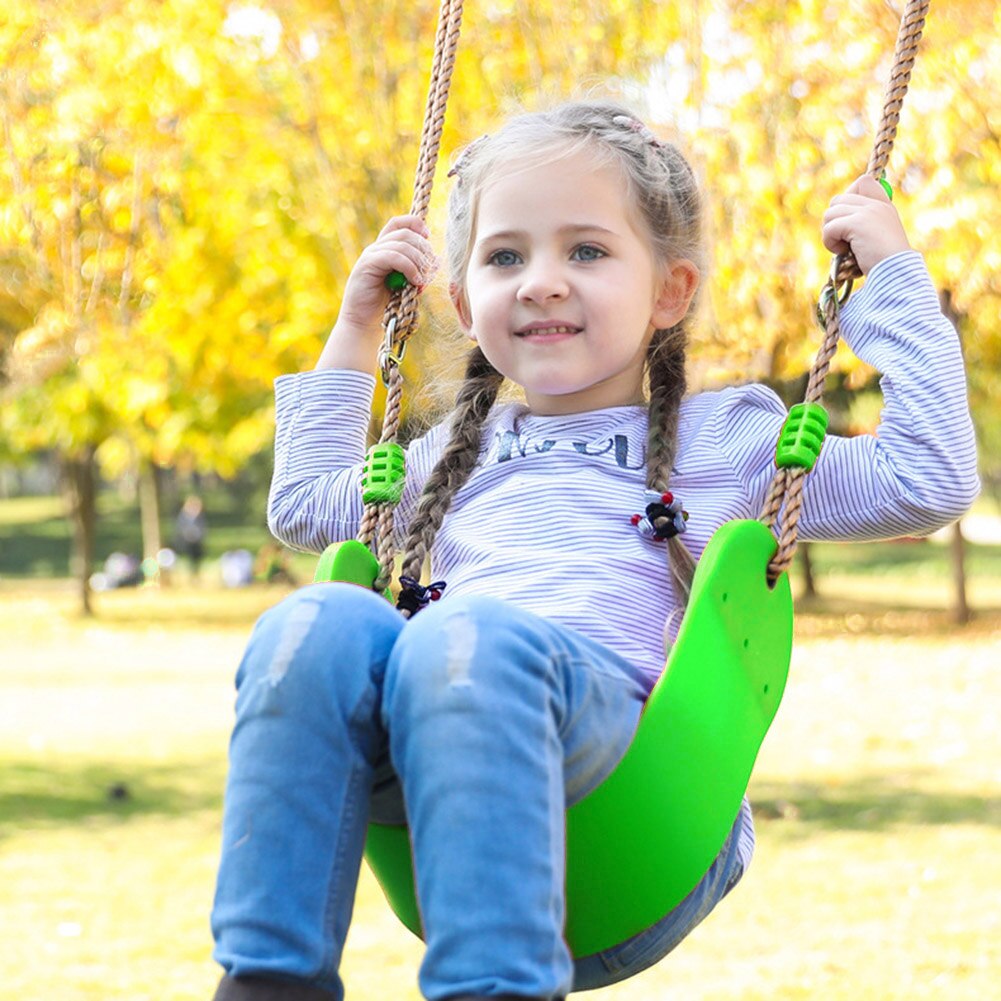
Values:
[(496, 997), (256, 989)]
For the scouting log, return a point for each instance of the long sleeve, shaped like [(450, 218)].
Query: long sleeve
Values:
[(321, 427), (918, 472), (321, 421)]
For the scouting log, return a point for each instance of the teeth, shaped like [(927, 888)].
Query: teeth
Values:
[(549, 330)]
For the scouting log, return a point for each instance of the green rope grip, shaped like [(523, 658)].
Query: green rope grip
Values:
[(887, 187), (396, 281), (384, 474), (802, 436)]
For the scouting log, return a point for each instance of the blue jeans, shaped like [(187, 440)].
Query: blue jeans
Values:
[(487, 722)]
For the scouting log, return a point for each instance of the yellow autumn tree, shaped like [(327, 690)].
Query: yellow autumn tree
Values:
[(186, 186), (782, 101)]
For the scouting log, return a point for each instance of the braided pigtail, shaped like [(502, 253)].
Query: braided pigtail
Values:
[(666, 368), (476, 397)]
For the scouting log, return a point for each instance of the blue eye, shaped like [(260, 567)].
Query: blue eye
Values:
[(503, 258), (588, 252)]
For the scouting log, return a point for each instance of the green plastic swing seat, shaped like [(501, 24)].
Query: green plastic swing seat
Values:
[(639, 843)]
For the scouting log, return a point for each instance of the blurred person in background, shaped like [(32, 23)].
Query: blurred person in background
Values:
[(189, 533)]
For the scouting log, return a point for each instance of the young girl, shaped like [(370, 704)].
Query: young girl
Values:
[(574, 253)]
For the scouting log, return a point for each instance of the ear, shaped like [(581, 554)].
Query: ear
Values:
[(458, 297), (679, 282)]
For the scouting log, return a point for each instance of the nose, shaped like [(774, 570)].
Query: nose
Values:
[(543, 280)]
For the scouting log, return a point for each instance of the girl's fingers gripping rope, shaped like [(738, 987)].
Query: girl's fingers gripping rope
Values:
[(864, 221), (402, 227), (412, 222), (410, 236), (402, 247)]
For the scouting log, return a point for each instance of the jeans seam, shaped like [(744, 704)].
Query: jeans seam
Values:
[(336, 887)]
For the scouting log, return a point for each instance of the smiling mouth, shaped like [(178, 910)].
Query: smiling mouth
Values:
[(556, 330)]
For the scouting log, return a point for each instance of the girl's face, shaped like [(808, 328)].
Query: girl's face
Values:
[(562, 290)]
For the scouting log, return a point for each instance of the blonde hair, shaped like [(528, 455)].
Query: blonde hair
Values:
[(662, 187)]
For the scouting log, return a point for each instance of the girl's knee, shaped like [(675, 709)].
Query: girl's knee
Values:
[(468, 614), (453, 631), (331, 609), (318, 629), (337, 601), (466, 642)]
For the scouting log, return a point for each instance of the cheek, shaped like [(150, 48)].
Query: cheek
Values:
[(481, 302)]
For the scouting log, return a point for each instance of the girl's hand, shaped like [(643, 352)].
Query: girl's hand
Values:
[(864, 220), (402, 246)]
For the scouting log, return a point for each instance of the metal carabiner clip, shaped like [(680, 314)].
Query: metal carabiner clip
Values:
[(830, 292), (390, 353), (842, 296)]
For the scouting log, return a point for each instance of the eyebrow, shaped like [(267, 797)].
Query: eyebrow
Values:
[(577, 227)]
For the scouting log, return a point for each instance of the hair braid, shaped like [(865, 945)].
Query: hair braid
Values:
[(473, 403), (666, 366)]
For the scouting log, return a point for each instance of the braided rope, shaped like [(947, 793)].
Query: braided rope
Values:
[(786, 489), (400, 318)]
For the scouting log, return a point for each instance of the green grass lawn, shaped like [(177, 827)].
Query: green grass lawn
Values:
[(878, 798)]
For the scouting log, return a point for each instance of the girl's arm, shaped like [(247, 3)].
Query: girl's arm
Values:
[(321, 429), (322, 417), (401, 246), (321, 425), (918, 471)]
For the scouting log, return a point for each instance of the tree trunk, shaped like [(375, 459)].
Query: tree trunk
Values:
[(80, 491), (149, 508), (961, 609), (806, 565)]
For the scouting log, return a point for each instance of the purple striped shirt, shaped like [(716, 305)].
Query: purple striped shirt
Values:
[(544, 520)]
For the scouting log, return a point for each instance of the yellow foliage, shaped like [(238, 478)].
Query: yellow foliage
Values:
[(188, 184)]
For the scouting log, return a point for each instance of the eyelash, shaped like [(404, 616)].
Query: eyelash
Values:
[(492, 259)]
